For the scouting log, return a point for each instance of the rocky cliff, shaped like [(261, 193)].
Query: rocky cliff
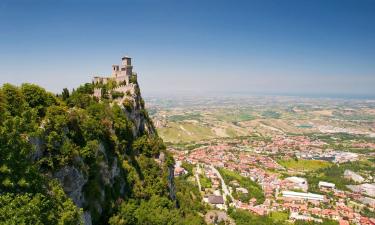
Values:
[(102, 151), (110, 180)]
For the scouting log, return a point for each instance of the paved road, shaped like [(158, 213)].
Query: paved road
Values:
[(224, 187), (197, 178)]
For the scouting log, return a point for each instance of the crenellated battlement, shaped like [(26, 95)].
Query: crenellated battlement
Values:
[(119, 73), (121, 76)]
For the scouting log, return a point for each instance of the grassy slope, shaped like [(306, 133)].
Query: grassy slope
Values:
[(304, 165), (254, 189)]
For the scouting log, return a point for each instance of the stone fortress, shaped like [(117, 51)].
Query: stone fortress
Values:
[(121, 88), (121, 77)]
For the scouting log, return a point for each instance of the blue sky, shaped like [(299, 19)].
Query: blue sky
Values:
[(280, 46)]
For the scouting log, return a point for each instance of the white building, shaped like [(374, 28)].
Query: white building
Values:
[(348, 174), (341, 157), (296, 216), (304, 196), (242, 190), (326, 185), (368, 189), (298, 182)]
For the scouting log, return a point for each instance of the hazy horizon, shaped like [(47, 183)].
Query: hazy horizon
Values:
[(265, 47)]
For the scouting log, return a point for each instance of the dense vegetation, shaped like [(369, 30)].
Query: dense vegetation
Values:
[(26, 195), (41, 134), (254, 189), (335, 174), (304, 165), (242, 217)]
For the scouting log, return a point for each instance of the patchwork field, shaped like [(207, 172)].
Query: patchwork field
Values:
[(194, 119)]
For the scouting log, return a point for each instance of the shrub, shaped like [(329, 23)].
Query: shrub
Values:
[(116, 94), (128, 105)]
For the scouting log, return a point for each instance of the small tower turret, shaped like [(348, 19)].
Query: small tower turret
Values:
[(127, 65), (126, 61), (115, 70)]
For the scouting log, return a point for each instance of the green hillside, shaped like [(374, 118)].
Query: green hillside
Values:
[(70, 159)]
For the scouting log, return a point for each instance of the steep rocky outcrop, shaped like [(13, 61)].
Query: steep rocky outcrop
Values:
[(92, 187), (93, 149), (74, 181)]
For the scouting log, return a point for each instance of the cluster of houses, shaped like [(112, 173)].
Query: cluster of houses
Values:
[(331, 155), (213, 194), (303, 147), (288, 194), (224, 155)]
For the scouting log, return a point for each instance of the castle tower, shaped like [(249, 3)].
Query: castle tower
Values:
[(126, 61), (127, 65), (115, 70)]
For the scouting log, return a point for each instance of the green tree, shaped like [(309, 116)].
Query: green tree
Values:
[(31, 209), (3, 105), (65, 94), (17, 173), (37, 97), (149, 145), (156, 211), (14, 99)]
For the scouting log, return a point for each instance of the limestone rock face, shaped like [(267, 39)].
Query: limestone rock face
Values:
[(171, 186), (77, 178), (142, 124), (87, 218), (37, 143), (72, 181)]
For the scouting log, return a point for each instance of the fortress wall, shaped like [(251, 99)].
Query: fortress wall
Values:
[(97, 92), (125, 88)]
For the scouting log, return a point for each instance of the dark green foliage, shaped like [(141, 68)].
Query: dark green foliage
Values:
[(325, 222), (335, 174), (65, 94), (122, 127), (153, 178), (41, 133), (128, 105), (367, 212), (243, 217), (149, 146), (82, 96), (188, 167), (116, 94), (90, 151), (26, 196), (3, 105), (37, 97), (189, 200), (17, 174), (156, 211), (32, 209), (15, 102), (86, 89), (255, 191), (133, 79), (104, 93)]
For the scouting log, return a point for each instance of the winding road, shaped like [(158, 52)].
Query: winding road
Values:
[(224, 187)]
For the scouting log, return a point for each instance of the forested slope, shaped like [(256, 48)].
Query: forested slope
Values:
[(74, 159)]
